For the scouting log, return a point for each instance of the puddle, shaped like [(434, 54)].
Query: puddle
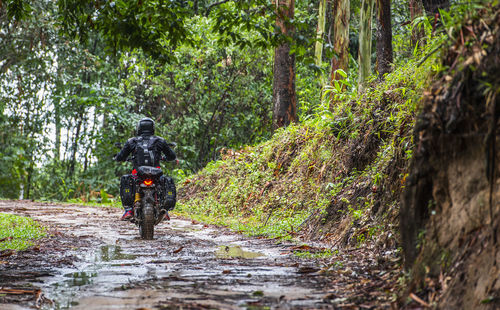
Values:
[(108, 253), (226, 251), (104, 269), (80, 278)]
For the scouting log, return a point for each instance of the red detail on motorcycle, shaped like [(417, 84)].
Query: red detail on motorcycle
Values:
[(148, 182), (134, 172)]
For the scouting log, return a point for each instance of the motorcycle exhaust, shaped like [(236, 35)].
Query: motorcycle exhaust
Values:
[(161, 216)]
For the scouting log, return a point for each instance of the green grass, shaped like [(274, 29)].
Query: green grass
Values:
[(324, 253), (111, 203), (211, 212), (18, 232)]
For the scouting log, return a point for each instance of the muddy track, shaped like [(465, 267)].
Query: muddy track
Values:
[(93, 261)]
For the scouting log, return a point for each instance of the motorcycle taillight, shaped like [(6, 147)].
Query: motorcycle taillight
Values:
[(148, 182)]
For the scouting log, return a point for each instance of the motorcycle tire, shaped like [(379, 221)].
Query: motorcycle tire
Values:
[(146, 227)]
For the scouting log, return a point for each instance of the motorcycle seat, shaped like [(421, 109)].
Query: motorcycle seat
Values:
[(149, 172)]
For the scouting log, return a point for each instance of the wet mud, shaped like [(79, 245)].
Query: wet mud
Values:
[(93, 261)]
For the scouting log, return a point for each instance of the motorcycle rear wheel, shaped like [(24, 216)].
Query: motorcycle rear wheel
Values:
[(146, 227)]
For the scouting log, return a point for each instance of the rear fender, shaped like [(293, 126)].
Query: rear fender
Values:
[(148, 195)]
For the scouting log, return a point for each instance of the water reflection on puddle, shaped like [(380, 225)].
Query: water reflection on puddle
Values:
[(80, 278), (106, 253), (105, 266), (226, 251), (109, 253)]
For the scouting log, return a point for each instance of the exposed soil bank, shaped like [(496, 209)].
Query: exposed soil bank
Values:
[(93, 261), (453, 192)]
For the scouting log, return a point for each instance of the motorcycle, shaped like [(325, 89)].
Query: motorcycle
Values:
[(147, 211)]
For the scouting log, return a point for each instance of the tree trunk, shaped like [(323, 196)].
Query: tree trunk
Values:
[(67, 144), (416, 10), (341, 14), (74, 149), (365, 42), (320, 30), (57, 116), (432, 10), (432, 6), (384, 37), (284, 97), (29, 179)]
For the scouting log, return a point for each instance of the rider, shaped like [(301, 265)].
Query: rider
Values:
[(154, 146)]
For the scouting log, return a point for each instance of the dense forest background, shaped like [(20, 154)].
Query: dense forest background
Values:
[(77, 75)]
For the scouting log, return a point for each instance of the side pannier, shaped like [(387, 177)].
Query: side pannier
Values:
[(127, 190), (169, 193)]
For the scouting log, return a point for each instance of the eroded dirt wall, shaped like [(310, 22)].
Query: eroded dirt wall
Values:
[(450, 216)]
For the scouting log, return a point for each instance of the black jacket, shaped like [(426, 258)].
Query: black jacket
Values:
[(158, 147)]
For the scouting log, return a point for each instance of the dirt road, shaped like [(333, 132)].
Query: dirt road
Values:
[(93, 261)]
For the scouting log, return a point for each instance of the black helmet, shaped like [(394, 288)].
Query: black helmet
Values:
[(146, 127)]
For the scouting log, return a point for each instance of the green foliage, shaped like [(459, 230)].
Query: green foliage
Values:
[(18, 233), (60, 119), (209, 98), (104, 196), (17, 9), (154, 26), (340, 160), (159, 27)]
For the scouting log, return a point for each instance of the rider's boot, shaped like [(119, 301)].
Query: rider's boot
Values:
[(128, 214)]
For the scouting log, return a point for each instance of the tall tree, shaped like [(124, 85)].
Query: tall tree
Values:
[(365, 41), (341, 14), (284, 97), (384, 37), (320, 30)]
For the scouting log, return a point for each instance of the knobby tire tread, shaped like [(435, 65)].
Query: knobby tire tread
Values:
[(146, 228)]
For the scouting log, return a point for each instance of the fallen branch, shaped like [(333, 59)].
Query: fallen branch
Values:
[(419, 300), (14, 291), (39, 299)]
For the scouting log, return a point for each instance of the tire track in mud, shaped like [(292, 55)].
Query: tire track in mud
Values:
[(98, 262)]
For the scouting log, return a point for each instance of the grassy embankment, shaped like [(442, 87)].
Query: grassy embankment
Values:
[(347, 165), (18, 232)]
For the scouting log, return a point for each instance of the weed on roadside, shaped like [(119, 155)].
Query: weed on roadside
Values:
[(18, 232)]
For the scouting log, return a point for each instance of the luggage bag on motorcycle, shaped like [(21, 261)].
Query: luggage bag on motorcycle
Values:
[(169, 191), (127, 190)]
